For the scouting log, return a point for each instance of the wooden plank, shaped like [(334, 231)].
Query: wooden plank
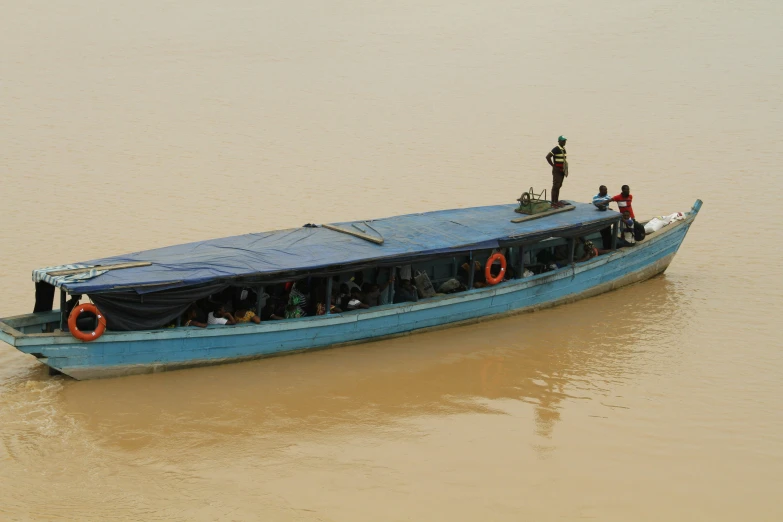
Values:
[(543, 214), (13, 333), (377, 241), (120, 266), (20, 321), (146, 285)]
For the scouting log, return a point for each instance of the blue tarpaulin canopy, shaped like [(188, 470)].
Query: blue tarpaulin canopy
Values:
[(264, 254)]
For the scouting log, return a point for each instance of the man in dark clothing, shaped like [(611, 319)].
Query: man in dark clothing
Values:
[(344, 297), (559, 162), (405, 292), (627, 236), (355, 302)]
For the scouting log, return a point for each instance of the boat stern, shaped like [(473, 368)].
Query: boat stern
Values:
[(14, 329)]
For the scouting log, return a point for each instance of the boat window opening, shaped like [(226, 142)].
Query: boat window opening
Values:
[(44, 297)]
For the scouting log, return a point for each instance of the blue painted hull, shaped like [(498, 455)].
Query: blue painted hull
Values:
[(124, 353)]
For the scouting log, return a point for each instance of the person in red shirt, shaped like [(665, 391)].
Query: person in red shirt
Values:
[(624, 200)]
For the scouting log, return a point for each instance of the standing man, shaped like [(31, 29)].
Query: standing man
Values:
[(601, 202), (624, 200), (602, 199), (559, 169)]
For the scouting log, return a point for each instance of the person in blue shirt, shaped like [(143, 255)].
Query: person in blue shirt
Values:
[(601, 202), (602, 199)]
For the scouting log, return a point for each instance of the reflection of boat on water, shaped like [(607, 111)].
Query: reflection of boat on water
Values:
[(487, 369), (157, 286)]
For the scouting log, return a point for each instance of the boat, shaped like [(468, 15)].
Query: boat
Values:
[(141, 297)]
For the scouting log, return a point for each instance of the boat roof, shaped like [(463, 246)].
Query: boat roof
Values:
[(307, 249)]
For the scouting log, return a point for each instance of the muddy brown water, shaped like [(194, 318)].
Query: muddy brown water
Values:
[(128, 126)]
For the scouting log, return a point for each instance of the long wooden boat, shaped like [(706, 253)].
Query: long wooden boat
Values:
[(157, 286)]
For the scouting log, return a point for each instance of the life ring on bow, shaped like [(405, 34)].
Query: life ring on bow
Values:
[(493, 280), (86, 336)]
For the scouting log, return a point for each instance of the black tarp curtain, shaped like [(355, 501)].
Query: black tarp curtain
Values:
[(131, 311), (44, 297)]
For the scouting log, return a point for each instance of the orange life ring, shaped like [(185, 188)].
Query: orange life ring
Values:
[(86, 336), (488, 269)]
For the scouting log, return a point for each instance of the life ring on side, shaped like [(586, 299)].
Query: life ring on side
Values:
[(493, 280), (86, 336)]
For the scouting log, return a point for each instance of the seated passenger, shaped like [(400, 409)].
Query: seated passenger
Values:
[(561, 253), (355, 302), (300, 292), (246, 316), (343, 297), (293, 311), (373, 296), (405, 292), (546, 258), (479, 280), (220, 317), (334, 307), (627, 237), (295, 307), (273, 310), (590, 251), (192, 318)]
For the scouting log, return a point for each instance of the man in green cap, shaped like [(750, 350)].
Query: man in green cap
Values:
[(559, 163)]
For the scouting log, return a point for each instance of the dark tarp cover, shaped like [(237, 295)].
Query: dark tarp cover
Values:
[(131, 311), (264, 254)]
